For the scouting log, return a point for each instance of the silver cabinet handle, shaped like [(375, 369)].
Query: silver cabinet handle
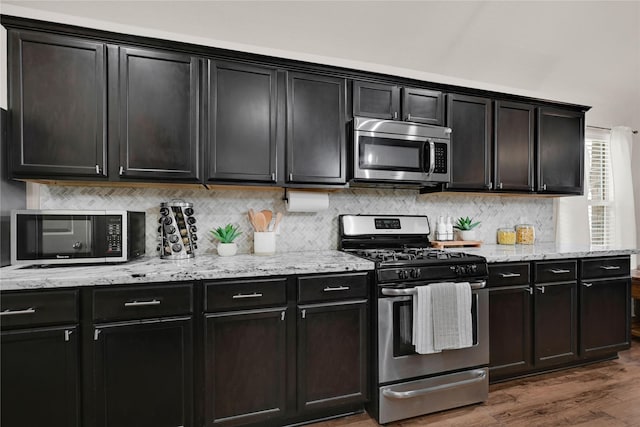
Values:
[(480, 376), (336, 288), (610, 267), (408, 117), (544, 187), (17, 312), (98, 169), (395, 115), (541, 289), (96, 333), (67, 334), (304, 314), (559, 271), (587, 285), (121, 171), (500, 186), (530, 290), (507, 275), (253, 295), (141, 303), (290, 176), (490, 185), (273, 176), (282, 315)]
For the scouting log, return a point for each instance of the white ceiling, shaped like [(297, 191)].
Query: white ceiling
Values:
[(577, 51)]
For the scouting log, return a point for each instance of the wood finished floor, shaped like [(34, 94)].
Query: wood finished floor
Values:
[(603, 394)]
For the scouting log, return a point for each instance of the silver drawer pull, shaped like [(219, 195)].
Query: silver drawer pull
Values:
[(479, 376), (141, 303), (559, 271), (507, 275), (587, 285), (16, 312), (336, 288), (610, 267), (253, 295)]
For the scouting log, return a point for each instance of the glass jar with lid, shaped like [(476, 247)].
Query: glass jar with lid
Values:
[(525, 234), (506, 236)]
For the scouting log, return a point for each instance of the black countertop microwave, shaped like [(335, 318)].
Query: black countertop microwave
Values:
[(76, 236)]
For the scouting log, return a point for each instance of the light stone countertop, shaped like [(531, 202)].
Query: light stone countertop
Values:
[(154, 269), (544, 251)]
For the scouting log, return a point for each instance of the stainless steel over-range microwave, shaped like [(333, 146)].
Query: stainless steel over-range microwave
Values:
[(400, 153), (76, 236)]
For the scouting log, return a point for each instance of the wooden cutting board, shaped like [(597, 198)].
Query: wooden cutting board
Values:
[(441, 244)]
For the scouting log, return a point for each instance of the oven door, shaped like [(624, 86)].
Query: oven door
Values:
[(397, 358)]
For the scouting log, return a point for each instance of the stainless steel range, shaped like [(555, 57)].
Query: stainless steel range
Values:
[(406, 383)]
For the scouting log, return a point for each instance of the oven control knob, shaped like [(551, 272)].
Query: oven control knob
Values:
[(403, 274), (415, 273), (473, 268)]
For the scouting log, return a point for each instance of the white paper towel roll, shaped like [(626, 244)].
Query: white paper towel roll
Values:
[(307, 201)]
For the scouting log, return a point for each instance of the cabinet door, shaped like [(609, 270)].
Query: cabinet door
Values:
[(144, 374), (316, 129), (245, 367), (57, 100), (509, 331), (40, 378), (378, 101), (242, 123), (560, 151), (332, 355), (159, 115), (604, 316), (513, 152), (470, 119), (423, 106), (555, 318)]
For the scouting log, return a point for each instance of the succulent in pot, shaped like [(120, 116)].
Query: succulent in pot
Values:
[(226, 236), (465, 227)]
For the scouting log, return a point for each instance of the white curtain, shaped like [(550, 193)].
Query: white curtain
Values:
[(623, 194), (572, 215)]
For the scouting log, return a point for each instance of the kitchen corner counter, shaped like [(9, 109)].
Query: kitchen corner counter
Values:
[(205, 267), (543, 251)]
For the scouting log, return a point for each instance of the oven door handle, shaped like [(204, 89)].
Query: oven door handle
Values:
[(394, 292), (480, 376)]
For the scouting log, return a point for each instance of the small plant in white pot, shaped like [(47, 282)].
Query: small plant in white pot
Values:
[(465, 227), (226, 236)]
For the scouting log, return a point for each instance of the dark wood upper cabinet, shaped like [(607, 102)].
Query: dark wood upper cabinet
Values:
[(241, 143), (245, 367), (470, 120), (159, 109), (40, 378), (143, 373), (514, 146), (57, 105), (560, 151), (383, 101), (332, 354), (375, 100), (423, 106), (316, 129)]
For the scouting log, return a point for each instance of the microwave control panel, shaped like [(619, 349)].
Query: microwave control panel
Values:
[(114, 234), (441, 158)]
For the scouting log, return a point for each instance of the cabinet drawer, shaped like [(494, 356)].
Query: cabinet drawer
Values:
[(332, 287), (38, 308), (221, 296), (508, 274), (605, 267), (142, 302), (555, 271)]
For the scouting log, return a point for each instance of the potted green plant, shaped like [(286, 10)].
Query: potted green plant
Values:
[(465, 227), (226, 236)]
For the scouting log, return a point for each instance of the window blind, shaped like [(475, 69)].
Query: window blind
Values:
[(600, 190)]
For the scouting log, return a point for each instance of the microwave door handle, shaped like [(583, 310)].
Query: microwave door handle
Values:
[(432, 156)]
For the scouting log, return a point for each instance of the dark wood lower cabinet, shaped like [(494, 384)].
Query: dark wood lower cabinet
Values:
[(555, 323), (245, 367), (143, 373), (604, 316), (332, 354), (509, 331), (40, 377)]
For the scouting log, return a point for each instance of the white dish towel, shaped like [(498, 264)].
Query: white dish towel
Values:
[(442, 317)]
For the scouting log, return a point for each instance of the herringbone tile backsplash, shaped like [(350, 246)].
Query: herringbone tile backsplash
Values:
[(305, 231)]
